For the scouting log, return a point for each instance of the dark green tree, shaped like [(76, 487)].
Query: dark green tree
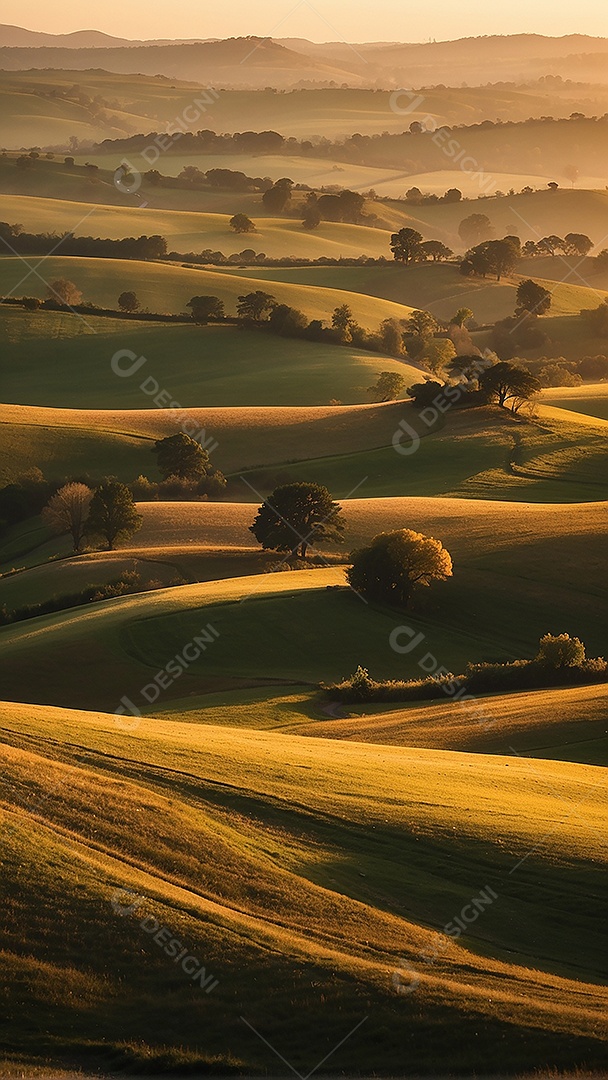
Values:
[(406, 246), (297, 516), (395, 564), (509, 382), (179, 455), (127, 301), (532, 297), (242, 224), (205, 308), (112, 513), (254, 306)]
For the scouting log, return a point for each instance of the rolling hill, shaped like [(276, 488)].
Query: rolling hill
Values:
[(323, 891), (195, 232), (166, 287), (528, 566)]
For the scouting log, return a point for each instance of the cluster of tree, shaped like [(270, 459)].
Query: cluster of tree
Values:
[(408, 247), (84, 509), (537, 143), (261, 310), (558, 371), (571, 244), (186, 470), (106, 513), (496, 257), (415, 195), (206, 142), (346, 206), (130, 247), (193, 177), (251, 257), (473, 380)]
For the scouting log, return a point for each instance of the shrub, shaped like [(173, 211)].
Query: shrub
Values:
[(560, 651)]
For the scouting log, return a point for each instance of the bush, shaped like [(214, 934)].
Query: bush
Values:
[(558, 651)]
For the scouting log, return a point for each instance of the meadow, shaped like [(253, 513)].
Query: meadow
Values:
[(335, 877), (311, 858)]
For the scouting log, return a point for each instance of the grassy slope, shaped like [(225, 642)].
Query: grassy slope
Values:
[(191, 231), (485, 454), (167, 287), (440, 288), (120, 441), (531, 567), (47, 357), (567, 724), (346, 870), (590, 399), (528, 216), (559, 724)]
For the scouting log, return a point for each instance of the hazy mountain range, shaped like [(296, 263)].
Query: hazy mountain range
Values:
[(256, 62)]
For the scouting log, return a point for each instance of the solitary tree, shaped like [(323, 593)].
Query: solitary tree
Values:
[(502, 255), (395, 564), (254, 306), (388, 386), (342, 320), (474, 229), (127, 301), (406, 246), (205, 308), (113, 514), (67, 511), (509, 382), (297, 516), (64, 292), (179, 455), (533, 297), (242, 224)]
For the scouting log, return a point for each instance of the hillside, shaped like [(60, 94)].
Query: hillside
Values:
[(166, 288), (497, 554), (211, 365), (185, 232), (332, 862), (565, 724)]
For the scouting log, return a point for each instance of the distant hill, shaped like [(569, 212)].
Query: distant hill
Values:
[(256, 62), (17, 37), (239, 62)]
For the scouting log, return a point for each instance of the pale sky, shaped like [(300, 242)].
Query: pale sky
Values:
[(318, 20)]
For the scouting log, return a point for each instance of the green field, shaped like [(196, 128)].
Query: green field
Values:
[(166, 288), (567, 724), (196, 366), (170, 758), (320, 891), (134, 634), (195, 232), (441, 289), (590, 399)]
